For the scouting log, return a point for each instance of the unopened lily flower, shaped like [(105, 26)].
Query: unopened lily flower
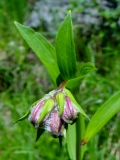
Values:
[(40, 110), (71, 111), (54, 124), (35, 113), (54, 111)]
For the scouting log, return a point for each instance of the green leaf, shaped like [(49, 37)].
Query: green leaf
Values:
[(42, 48), (39, 133), (71, 141), (23, 117), (86, 69), (102, 116), (65, 49)]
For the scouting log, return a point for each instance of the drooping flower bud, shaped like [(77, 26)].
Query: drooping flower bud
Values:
[(35, 113), (74, 102), (54, 124), (40, 110), (53, 112), (71, 111)]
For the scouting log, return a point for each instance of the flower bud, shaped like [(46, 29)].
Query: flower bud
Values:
[(40, 110), (77, 106), (71, 112), (53, 112), (53, 123), (35, 113)]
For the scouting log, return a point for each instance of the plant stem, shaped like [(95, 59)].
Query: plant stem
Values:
[(62, 85), (78, 139)]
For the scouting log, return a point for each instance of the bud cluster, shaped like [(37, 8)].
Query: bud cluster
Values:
[(54, 111)]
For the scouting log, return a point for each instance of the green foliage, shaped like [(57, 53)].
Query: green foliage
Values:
[(65, 58), (65, 61), (10, 11), (23, 80), (102, 116), (43, 49), (65, 49), (86, 69)]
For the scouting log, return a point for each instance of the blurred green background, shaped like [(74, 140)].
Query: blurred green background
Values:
[(23, 79)]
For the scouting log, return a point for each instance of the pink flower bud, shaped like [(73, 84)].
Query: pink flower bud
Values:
[(70, 113), (35, 113), (54, 124)]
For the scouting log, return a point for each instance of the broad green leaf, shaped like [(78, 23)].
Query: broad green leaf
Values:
[(102, 116), (23, 117), (65, 49), (71, 141), (86, 69), (42, 48)]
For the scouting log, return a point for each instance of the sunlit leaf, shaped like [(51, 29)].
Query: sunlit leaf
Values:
[(65, 49), (42, 48), (86, 69), (102, 116)]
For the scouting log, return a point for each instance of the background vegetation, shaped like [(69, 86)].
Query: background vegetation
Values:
[(23, 79)]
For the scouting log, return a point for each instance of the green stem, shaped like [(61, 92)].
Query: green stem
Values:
[(78, 139), (62, 85), (80, 131)]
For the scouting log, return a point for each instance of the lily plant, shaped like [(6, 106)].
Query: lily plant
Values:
[(58, 112)]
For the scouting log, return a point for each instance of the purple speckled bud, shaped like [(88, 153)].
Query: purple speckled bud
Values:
[(54, 111), (54, 124), (35, 113), (71, 112)]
